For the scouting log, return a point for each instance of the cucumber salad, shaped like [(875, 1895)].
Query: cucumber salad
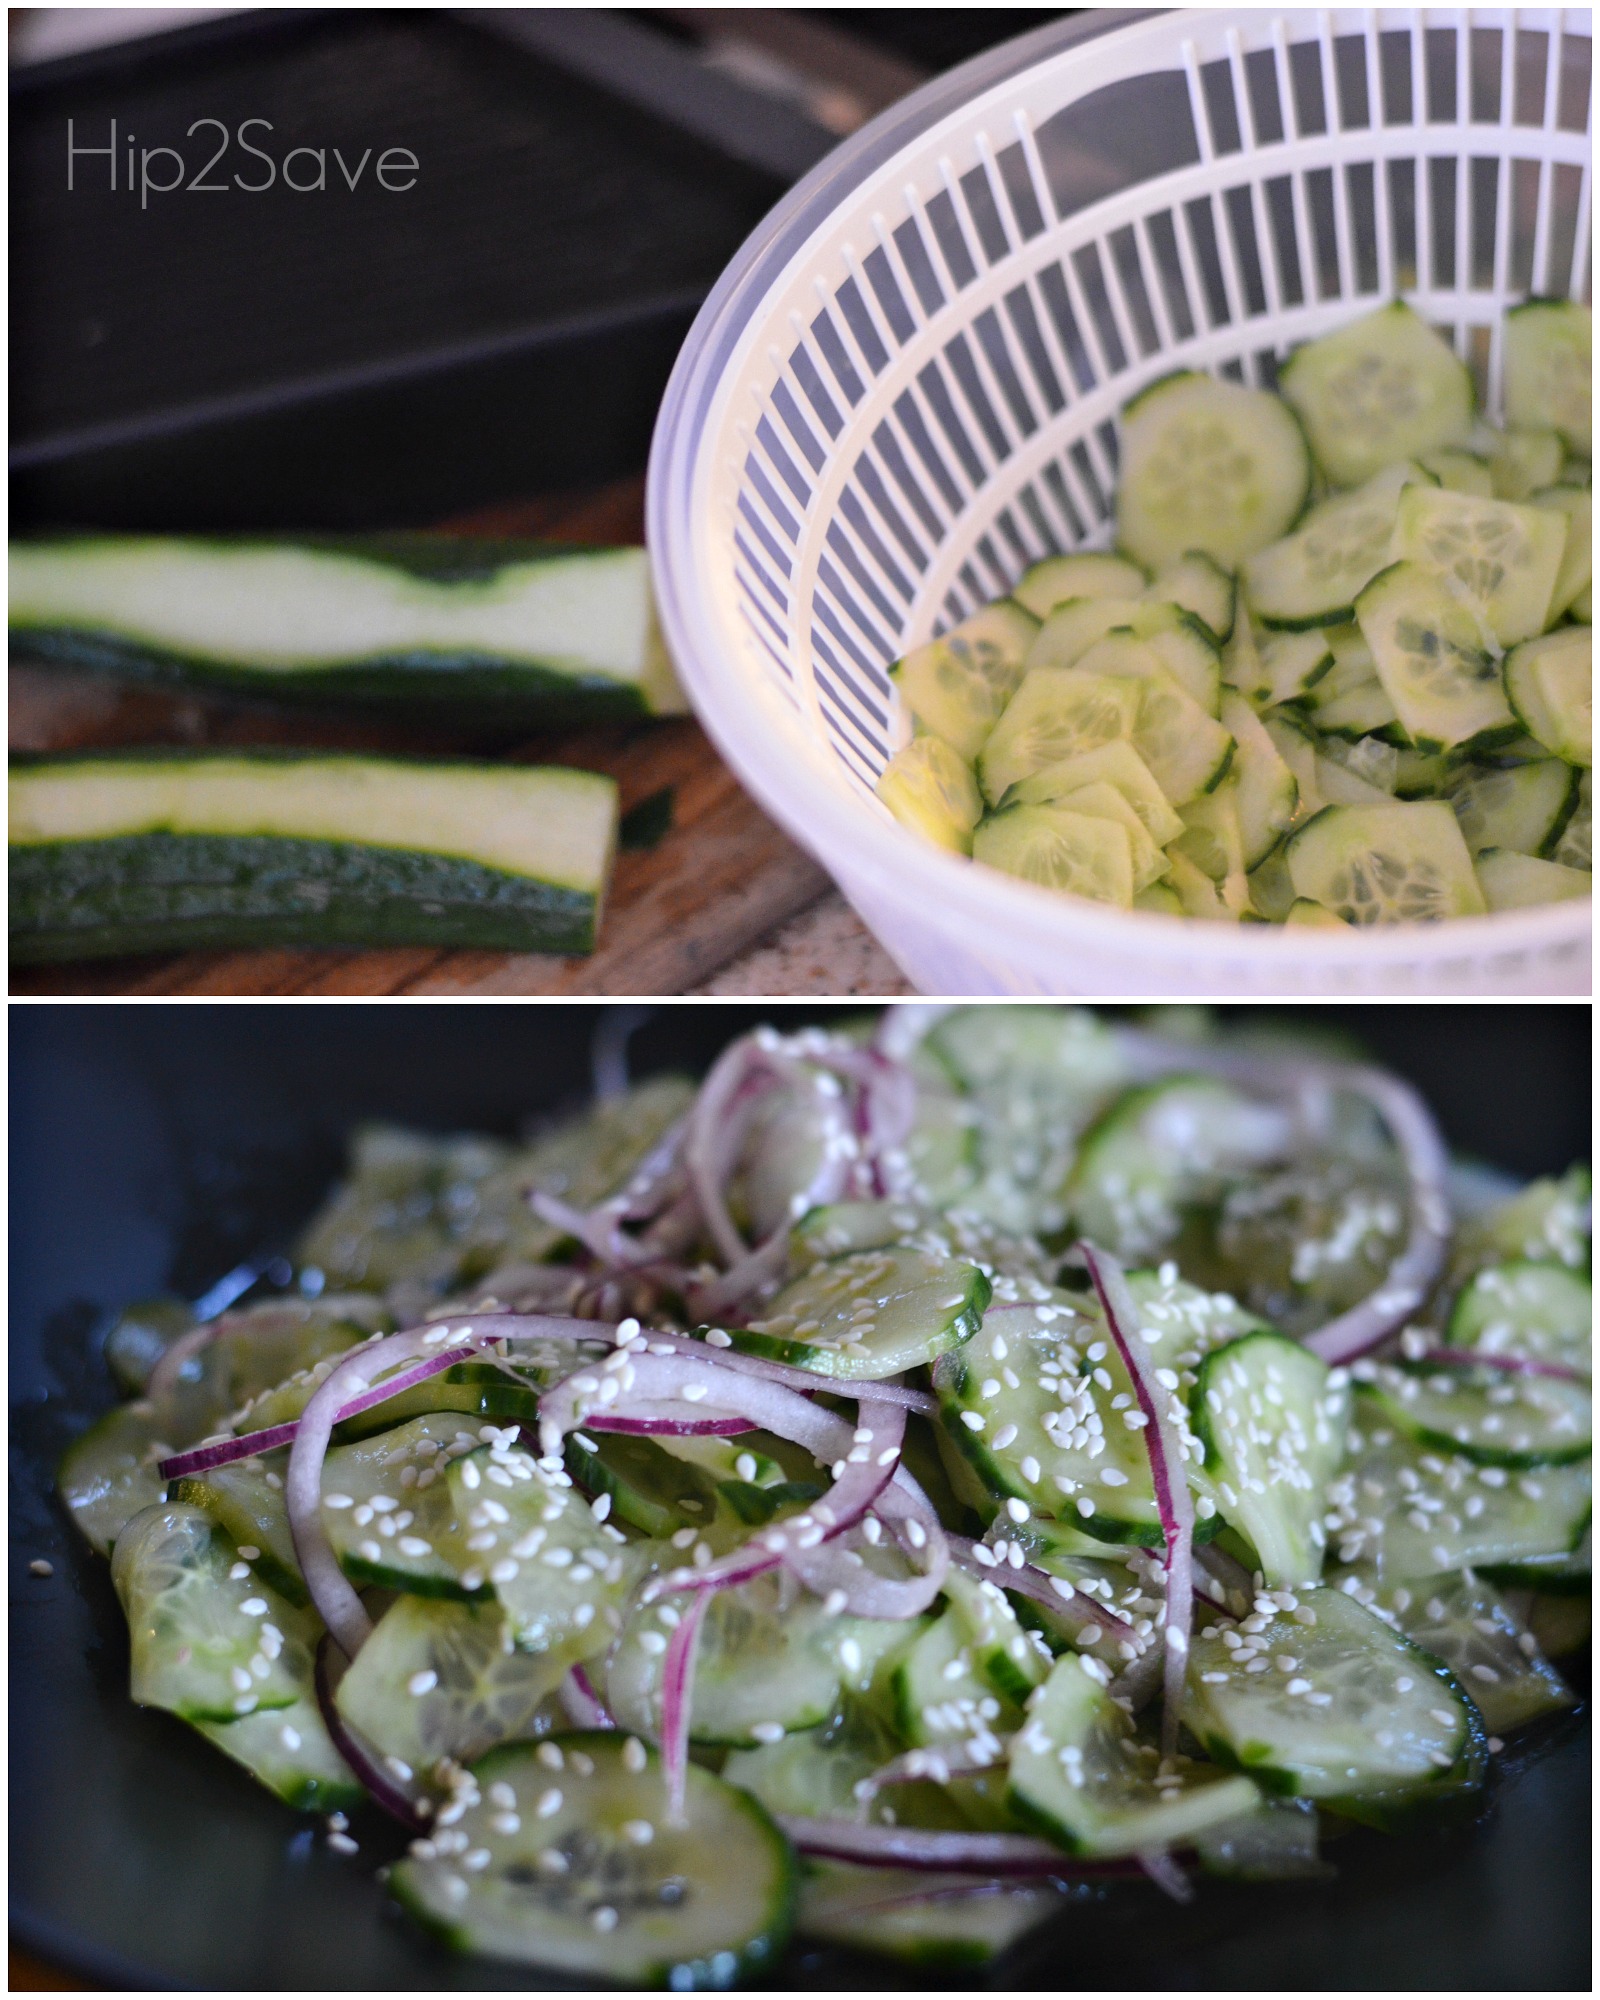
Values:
[(928, 1470), (1337, 671)]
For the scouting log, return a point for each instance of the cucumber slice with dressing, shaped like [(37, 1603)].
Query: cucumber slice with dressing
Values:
[(1313, 577), (1082, 1778), (1273, 1427), (249, 1506), (942, 1697), (1550, 683), (871, 1315), (1443, 681), (1500, 559), (1512, 881), (206, 1643), (1394, 863), (1525, 807), (1549, 367), (1075, 853), (438, 1680), (1197, 584), (109, 1475), (923, 1919), (958, 685), (1059, 579), (1341, 1706), (1116, 764), (1207, 465), (1465, 1623), (1055, 713), (930, 788), (1547, 1222), (1541, 1312), (1381, 388), (589, 1875), (1486, 1415), (290, 1751), (401, 1534)]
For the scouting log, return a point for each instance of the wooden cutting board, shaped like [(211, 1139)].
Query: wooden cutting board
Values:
[(719, 879)]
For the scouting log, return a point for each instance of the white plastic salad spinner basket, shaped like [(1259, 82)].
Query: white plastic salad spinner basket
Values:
[(905, 389)]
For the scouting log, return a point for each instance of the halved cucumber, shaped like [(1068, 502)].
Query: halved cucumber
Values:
[(401, 1534), (1212, 837), (158, 850), (1575, 848), (1547, 1222), (589, 1874), (1356, 712), (290, 1751), (250, 1507), (1542, 1312), (1549, 368), (1443, 681), (942, 1697), (1197, 584), (720, 1487), (1000, 1651), (1187, 751), (439, 1680), (109, 1474), (1500, 559), (956, 686), (1465, 1623), (1207, 465), (1485, 1415), (1512, 881), (871, 1315), (1291, 664), (1116, 764), (1577, 558), (1341, 1706), (1313, 577), (1521, 461), (1268, 792), (1055, 713), (933, 1920), (1524, 806), (930, 788), (1273, 1428), (1103, 800), (1183, 644), (1394, 863), (206, 1644), (1550, 682), (1079, 1775), (1076, 853), (1058, 579), (1384, 387)]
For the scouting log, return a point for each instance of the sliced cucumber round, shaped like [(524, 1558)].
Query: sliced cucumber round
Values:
[(1116, 764), (1339, 1705), (940, 1694), (1208, 465), (1539, 1311), (401, 1534), (1186, 749), (1058, 579), (1577, 561), (1550, 682), (871, 1315), (1549, 368), (930, 788), (1575, 848), (290, 1751), (1512, 881), (1388, 864), (1463, 1621), (1486, 1415), (251, 1509), (957, 686), (588, 1874), (1203, 587), (1521, 461), (109, 1474), (1382, 388), (1500, 558), (1074, 853), (933, 1920), (1055, 713), (1443, 682), (1525, 807), (1311, 579), (1080, 1776)]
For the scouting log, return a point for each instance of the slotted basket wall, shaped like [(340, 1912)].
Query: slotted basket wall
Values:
[(905, 390)]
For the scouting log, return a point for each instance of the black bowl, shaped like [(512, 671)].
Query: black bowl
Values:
[(156, 1147)]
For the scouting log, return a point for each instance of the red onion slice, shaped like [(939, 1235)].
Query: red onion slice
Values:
[(581, 1700), (999, 1854), (1512, 1364), (677, 1701), (1174, 1502), (385, 1791), (1167, 1876), (665, 1426), (1043, 1588)]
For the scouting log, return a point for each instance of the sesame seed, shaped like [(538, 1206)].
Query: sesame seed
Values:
[(604, 1919), (549, 1804), (634, 1758), (341, 1843), (639, 1831), (422, 1683)]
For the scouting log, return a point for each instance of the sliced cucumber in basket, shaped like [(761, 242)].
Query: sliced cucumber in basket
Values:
[(1341, 1706), (930, 788), (1500, 558), (1540, 1311), (1388, 864), (1577, 561), (588, 1874), (1443, 680), (1512, 881), (1485, 1414), (1197, 584), (956, 686), (1182, 643), (1103, 800), (1116, 764), (1549, 368), (1313, 577), (871, 1315), (207, 1644), (1575, 848), (1269, 793), (1059, 849), (1550, 682), (1186, 749), (1522, 806), (1273, 1430), (1059, 579), (1382, 388), (1057, 712), (1078, 1774), (1207, 465)]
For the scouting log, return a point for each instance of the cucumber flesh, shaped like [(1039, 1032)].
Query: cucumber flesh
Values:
[(1186, 749), (290, 1751), (1394, 863), (1547, 1222), (1197, 584), (1549, 368), (1390, 1717), (140, 1335), (1575, 848), (931, 789), (1550, 682), (691, 1905), (250, 1509), (1080, 1777), (401, 1535), (1512, 881), (921, 1918), (1500, 559), (109, 1475), (1268, 792), (1055, 713), (1521, 461), (1116, 764), (1384, 387), (147, 852), (957, 686), (1313, 577), (1539, 1311), (1075, 853), (1104, 801), (871, 1315), (1459, 471), (1466, 1623), (1442, 680), (1208, 466), (1524, 806), (941, 1697), (1577, 558), (206, 1643), (1059, 579), (1485, 1415)]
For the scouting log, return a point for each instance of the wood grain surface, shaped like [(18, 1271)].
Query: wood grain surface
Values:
[(721, 879)]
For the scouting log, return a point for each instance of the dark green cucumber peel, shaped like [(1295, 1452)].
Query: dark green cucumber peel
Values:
[(181, 892)]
